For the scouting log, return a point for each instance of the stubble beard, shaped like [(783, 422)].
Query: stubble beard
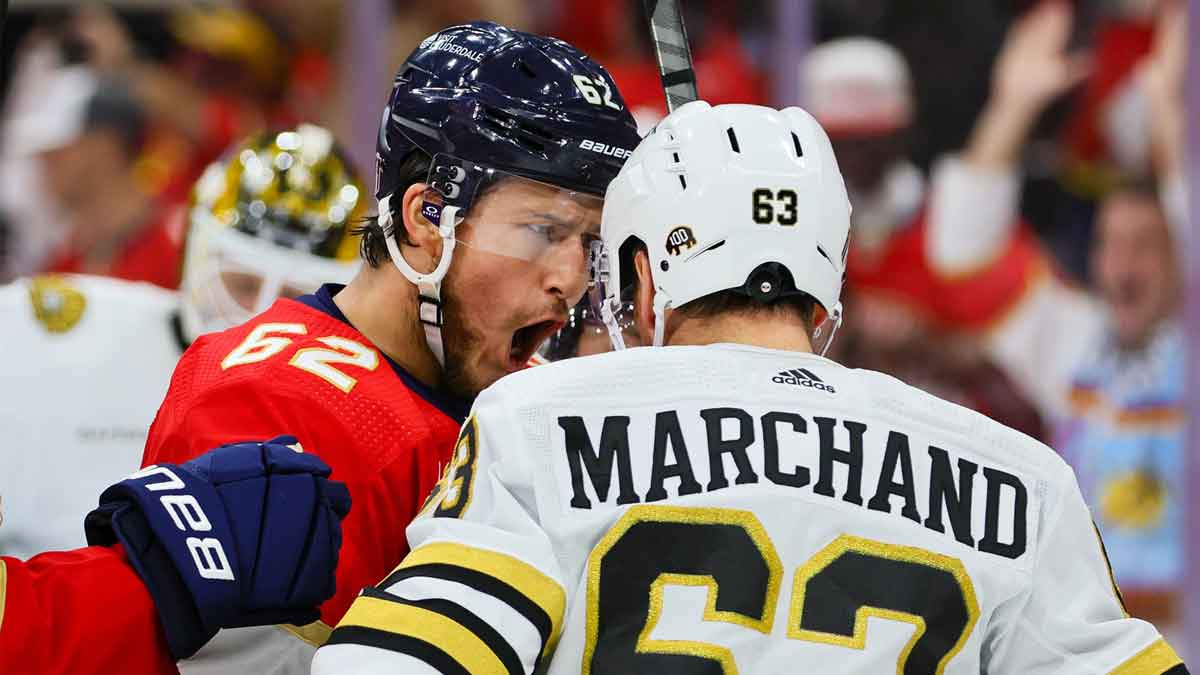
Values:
[(459, 343)]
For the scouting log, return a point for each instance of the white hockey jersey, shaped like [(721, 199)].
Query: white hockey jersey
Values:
[(727, 509), (86, 362)]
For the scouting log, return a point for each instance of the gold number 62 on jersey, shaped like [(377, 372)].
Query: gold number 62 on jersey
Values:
[(728, 551)]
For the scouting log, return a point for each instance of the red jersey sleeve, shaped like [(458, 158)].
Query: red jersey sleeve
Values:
[(376, 436), (79, 612)]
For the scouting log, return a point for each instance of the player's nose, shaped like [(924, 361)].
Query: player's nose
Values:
[(567, 274)]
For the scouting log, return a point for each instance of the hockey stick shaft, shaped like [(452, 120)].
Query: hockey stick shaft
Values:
[(672, 51)]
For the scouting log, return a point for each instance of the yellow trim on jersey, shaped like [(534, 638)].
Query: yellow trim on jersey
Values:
[(1112, 577), (1156, 659), (457, 641), (460, 473), (315, 633), (911, 554), (696, 516), (526, 579), (3, 590)]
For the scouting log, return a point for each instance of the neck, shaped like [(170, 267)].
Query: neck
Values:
[(770, 331), (382, 305)]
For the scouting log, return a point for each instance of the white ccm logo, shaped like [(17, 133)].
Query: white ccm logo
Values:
[(207, 553)]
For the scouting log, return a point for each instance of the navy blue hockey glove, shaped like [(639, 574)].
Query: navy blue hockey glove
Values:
[(244, 535)]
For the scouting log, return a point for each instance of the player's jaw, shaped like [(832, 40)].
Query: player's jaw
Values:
[(497, 313)]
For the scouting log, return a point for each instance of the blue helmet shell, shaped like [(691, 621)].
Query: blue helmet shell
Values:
[(502, 99)]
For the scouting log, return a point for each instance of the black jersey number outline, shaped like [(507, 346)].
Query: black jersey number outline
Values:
[(728, 551)]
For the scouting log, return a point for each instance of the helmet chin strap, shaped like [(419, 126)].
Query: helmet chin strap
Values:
[(661, 304), (429, 286), (615, 336), (835, 315)]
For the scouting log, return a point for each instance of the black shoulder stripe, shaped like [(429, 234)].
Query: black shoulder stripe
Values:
[(467, 619), (484, 583), (1178, 670), (437, 659)]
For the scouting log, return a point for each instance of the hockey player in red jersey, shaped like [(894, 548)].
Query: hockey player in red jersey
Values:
[(246, 534), (493, 156)]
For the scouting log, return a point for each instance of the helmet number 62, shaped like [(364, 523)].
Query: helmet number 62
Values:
[(596, 91), (770, 207)]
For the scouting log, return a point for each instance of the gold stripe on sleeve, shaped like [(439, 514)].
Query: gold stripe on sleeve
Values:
[(433, 628), (528, 580), (1156, 659)]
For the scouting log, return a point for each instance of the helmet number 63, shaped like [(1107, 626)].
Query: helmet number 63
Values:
[(774, 206), (596, 91)]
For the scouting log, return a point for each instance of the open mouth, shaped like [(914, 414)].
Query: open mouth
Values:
[(527, 339)]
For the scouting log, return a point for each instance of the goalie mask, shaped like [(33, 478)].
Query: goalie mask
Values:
[(741, 198), (270, 219)]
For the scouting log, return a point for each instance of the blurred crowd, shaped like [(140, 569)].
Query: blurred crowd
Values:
[(1015, 170)]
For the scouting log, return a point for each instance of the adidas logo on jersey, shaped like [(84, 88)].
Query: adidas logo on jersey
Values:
[(802, 377)]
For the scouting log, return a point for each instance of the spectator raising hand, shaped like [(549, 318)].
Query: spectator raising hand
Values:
[(1034, 67)]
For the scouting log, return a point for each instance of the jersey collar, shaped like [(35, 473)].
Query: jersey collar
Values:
[(454, 407)]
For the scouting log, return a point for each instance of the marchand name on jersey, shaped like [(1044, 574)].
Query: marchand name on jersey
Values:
[(595, 463)]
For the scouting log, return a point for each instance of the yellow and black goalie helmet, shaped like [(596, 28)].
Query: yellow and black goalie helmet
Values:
[(272, 218)]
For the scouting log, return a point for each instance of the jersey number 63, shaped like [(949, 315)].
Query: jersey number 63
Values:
[(728, 552)]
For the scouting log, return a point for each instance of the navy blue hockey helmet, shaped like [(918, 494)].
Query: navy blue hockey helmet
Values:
[(485, 102), (496, 98)]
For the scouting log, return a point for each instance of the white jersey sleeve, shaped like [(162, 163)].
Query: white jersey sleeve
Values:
[(973, 215), (1072, 620), (480, 591)]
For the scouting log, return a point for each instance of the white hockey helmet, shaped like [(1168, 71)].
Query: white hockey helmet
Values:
[(732, 197)]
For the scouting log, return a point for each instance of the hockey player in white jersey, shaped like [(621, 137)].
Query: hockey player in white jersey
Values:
[(88, 359), (726, 500)]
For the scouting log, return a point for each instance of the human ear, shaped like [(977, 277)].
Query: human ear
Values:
[(421, 243), (643, 299)]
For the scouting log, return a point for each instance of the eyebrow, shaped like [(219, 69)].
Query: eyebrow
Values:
[(559, 221), (553, 218)]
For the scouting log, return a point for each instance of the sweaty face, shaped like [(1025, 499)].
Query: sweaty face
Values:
[(520, 263), (1134, 266)]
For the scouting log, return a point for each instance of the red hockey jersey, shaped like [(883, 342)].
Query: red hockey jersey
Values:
[(300, 368), (81, 612)]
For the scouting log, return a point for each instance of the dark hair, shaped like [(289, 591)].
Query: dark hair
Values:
[(114, 107), (413, 169), (726, 301)]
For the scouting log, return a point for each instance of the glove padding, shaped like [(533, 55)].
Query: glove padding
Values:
[(244, 535)]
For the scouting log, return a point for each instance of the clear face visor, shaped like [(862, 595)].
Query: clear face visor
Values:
[(584, 334), (232, 276), (609, 298), (513, 216), (610, 302)]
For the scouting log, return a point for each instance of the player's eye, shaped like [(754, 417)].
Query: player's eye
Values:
[(552, 233)]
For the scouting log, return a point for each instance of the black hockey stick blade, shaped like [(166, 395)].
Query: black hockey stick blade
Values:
[(673, 53)]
